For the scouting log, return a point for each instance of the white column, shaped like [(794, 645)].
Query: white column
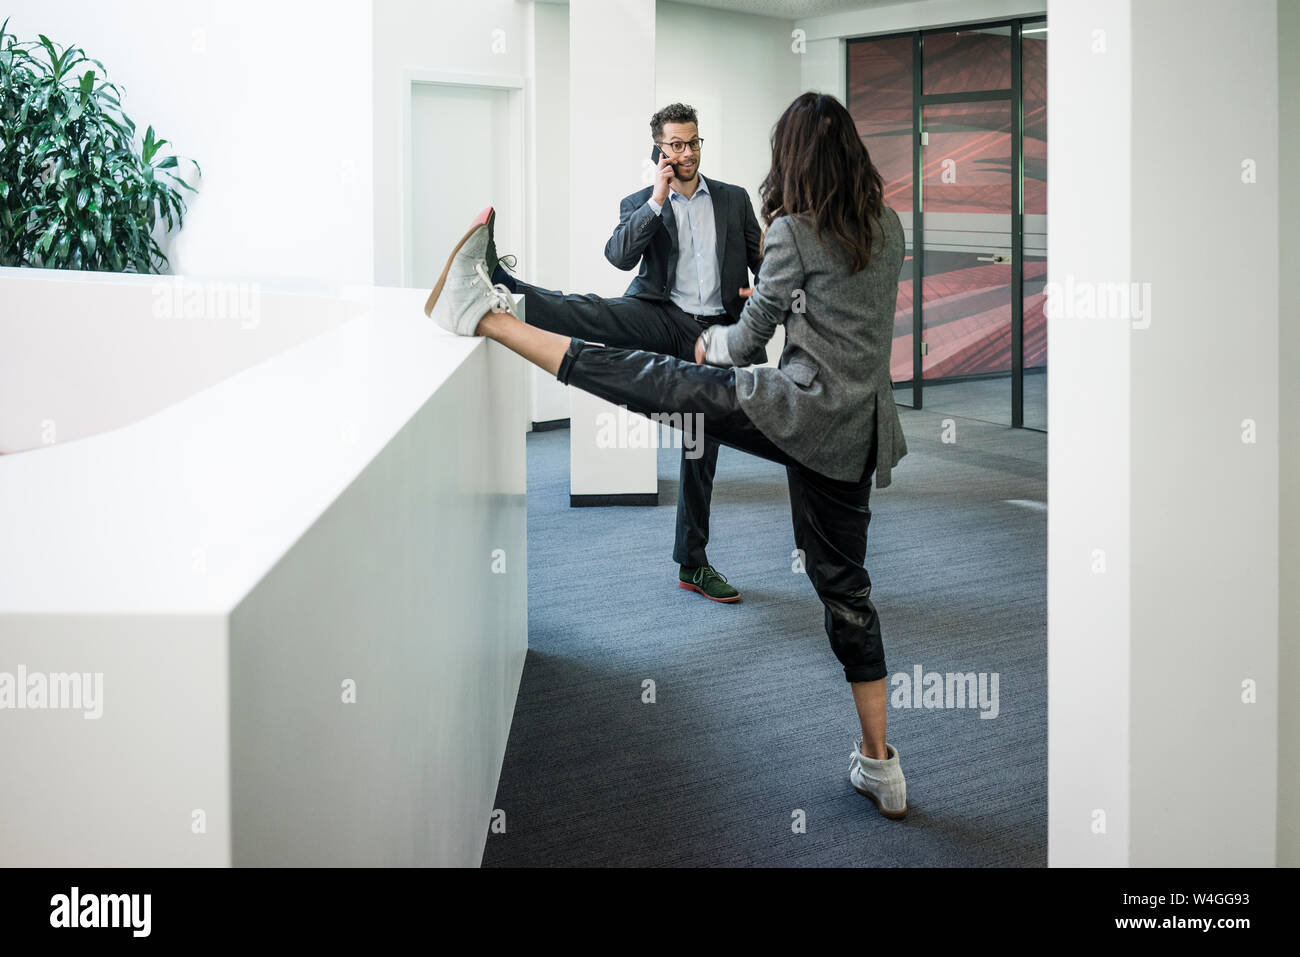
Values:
[(611, 99), (548, 181), (1205, 434), (1089, 141), (1163, 433)]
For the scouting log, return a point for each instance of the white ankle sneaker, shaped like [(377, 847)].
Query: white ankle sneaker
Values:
[(881, 780), (466, 288)]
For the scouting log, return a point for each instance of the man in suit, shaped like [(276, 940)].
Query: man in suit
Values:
[(695, 240)]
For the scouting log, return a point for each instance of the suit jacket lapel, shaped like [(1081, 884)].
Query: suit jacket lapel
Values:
[(719, 225), (670, 223)]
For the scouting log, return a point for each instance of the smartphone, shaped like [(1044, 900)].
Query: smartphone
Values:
[(655, 154)]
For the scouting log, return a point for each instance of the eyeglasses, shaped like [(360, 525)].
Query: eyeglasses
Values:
[(676, 146)]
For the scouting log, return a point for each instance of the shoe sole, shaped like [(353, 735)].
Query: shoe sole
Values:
[(479, 222), (892, 815), (490, 223), (689, 587)]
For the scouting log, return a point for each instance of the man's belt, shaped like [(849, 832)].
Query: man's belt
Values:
[(721, 317)]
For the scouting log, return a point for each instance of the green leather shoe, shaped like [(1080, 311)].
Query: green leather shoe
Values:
[(708, 582)]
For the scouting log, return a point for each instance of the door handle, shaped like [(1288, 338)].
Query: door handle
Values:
[(995, 258)]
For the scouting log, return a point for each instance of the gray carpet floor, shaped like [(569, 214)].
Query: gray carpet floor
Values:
[(752, 723)]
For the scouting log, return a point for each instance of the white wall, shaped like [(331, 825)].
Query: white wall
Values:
[(548, 184), (272, 99), (824, 67), (611, 97), (1089, 235), (484, 37), (1288, 796), (1204, 503)]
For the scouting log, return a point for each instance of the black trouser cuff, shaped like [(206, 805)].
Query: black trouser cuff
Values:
[(502, 276), (576, 345), (856, 673)]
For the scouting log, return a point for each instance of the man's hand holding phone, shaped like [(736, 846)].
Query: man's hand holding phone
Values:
[(663, 176)]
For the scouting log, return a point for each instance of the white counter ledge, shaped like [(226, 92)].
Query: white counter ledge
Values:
[(303, 585)]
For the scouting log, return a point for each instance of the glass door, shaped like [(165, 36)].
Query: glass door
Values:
[(1034, 151), (881, 95), (956, 121), (967, 268)]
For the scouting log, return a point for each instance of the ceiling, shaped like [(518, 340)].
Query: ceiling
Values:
[(785, 9), (791, 9)]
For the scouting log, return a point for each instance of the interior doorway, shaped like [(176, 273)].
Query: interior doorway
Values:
[(450, 177)]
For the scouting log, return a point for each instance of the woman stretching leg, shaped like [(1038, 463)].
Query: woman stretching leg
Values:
[(827, 414)]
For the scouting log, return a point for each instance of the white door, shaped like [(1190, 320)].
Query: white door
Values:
[(461, 149)]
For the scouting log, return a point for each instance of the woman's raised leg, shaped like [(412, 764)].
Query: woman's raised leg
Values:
[(647, 383), (466, 301), (543, 349)]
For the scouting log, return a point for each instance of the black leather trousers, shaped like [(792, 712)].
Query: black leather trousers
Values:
[(830, 517)]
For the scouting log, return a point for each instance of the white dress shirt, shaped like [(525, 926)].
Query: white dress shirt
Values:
[(697, 287)]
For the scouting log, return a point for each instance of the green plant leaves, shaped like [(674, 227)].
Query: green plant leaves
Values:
[(77, 189), (150, 147), (47, 238), (54, 57)]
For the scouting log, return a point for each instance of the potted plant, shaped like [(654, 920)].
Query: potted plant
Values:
[(75, 190)]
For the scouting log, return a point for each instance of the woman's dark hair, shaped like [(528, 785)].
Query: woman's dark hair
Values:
[(821, 172)]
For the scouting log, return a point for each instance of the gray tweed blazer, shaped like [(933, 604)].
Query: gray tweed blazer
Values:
[(831, 392)]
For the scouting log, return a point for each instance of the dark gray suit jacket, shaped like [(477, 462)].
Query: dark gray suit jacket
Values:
[(831, 392), (650, 240)]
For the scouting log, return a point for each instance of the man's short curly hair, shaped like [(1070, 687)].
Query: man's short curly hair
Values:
[(672, 113)]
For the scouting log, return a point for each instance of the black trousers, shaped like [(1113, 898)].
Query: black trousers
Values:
[(830, 517), (629, 323)]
